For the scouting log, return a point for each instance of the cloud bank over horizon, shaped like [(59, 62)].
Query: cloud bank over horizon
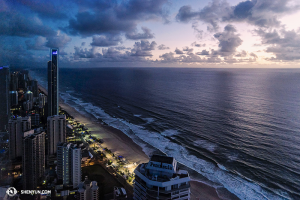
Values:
[(131, 33)]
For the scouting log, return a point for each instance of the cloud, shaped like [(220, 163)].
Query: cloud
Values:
[(211, 14), (203, 53), (177, 51), (88, 24), (143, 48), (116, 17), (162, 47), (253, 55), (198, 45), (140, 36), (243, 53), (189, 50), (257, 12), (46, 9), (85, 53), (105, 41), (285, 45), (142, 10), (60, 40), (37, 44), (168, 57), (228, 41), (13, 24)]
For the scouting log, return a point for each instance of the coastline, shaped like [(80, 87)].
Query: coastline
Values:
[(121, 144)]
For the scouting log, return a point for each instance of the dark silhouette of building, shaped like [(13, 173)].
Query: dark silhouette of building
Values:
[(4, 97), (53, 83), (33, 160)]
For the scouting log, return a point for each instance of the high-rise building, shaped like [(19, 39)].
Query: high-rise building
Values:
[(42, 100), (23, 79), (56, 132), (17, 128), (88, 190), (35, 119), (53, 83), (14, 85), (13, 95), (33, 160), (160, 178), (33, 86), (69, 164), (4, 97)]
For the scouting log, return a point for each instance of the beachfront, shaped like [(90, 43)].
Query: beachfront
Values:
[(120, 144)]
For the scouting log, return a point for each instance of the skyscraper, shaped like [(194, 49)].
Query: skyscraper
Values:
[(33, 159), (4, 97), (69, 164), (16, 129), (56, 132), (53, 83)]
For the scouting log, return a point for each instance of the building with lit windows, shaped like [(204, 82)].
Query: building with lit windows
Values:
[(53, 83)]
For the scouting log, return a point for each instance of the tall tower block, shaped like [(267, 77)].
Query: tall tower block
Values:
[(53, 83)]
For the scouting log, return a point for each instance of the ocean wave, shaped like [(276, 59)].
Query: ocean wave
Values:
[(244, 189)]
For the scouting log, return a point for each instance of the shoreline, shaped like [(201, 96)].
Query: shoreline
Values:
[(119, 143)]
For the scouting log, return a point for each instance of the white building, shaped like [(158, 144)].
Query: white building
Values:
[(16, 129), (56, 132), (69, 164), (161, 179), (88, 190)]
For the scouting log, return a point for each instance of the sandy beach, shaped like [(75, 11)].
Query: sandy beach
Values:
[(120, 144)]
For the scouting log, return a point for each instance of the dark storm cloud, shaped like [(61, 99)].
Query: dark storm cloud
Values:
[(262, 13), (116, 17), (46, 8), (285, 45), (178, 51), (38, 43), (162, 47), (211, 14), (141, 9), (140, 36), (60, 40), (88, 24), (203, 53), (106, 41), (228, 41), (13, 24)]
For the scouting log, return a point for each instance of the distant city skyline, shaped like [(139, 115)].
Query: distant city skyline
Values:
[(153, 33)]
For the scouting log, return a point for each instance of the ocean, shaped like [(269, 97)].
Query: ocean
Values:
[(237, 128)]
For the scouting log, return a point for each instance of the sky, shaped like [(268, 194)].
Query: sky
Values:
[(151, 33)]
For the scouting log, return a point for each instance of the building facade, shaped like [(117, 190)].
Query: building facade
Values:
[(33, 160), (53, 83), (88, 190), (56, 132), (13, 95), (160, 178), (4, 97), (69, 164), (17, 128)]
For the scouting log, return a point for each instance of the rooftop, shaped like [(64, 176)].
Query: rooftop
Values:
[(162, 159)]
